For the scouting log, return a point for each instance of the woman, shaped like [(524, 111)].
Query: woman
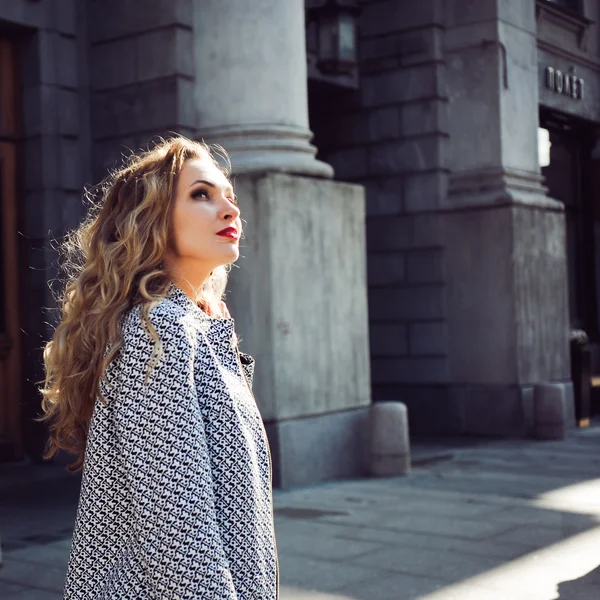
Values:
[(145, 384)]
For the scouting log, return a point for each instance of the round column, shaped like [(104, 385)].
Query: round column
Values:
[(251, 84)]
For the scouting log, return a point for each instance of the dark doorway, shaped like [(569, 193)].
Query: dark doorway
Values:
[(11, 434), (572, 175), (568, 177)]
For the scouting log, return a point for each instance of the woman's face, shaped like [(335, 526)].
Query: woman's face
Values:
[(206, 224)]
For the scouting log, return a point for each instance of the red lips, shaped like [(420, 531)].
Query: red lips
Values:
[(230, 232)]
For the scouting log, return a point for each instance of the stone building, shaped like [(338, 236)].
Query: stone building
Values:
[(474, 132), (456, 147)]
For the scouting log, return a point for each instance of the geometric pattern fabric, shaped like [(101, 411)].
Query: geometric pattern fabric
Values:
[(176, 495)]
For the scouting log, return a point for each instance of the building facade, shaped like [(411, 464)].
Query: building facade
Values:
[(474, 131), (466, 130), (85, 82)]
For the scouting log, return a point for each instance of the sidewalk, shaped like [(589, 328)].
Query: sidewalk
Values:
[(477, 520)]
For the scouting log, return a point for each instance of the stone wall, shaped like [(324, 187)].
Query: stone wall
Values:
[(55, 136), (391, 136), (463, 245), (52, 164), (142, 75)]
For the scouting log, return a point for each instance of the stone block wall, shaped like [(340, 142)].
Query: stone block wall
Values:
[(55, 135), (141, 65), (442, 133), (391, 136), (53, 148)]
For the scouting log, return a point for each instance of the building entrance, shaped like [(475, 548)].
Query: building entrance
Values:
[(568, 177), (570, 168), (11, 429)]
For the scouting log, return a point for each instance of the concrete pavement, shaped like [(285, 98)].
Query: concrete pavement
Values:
[(477, 520)]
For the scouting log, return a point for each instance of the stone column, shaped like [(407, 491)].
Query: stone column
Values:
[(299, 295), (251, 93), (504, 238)]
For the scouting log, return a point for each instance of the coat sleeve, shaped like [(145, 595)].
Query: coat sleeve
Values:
[(163, 446)]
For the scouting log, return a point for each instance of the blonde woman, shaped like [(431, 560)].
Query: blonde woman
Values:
[(146, 386)]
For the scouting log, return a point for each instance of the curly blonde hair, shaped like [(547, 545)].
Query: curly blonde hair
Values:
[(113, 262)]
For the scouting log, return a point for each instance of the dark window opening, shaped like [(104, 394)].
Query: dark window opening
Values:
[(572, 5)]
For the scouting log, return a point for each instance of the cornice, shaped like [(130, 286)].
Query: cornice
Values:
[(584, 60)]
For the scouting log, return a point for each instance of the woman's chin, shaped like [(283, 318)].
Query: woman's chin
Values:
[(231, 255)]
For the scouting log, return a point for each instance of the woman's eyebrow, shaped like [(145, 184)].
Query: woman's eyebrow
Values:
[(212, 185), (204, 181)]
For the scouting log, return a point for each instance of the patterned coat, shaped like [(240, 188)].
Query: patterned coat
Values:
[(176, 497)]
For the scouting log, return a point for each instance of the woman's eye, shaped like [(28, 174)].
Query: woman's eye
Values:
[(233, 201), (200, 193)]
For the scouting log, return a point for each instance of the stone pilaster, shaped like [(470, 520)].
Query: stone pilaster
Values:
[(504, 238)]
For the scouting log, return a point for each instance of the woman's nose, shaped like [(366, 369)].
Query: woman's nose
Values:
[(230, 211)]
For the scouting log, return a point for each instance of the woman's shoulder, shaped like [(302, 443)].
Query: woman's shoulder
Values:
[(165, 316), (172, 329)]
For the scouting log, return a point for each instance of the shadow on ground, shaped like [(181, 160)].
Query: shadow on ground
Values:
[(584, 588)]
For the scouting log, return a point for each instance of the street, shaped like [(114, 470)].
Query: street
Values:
[(477, 519)]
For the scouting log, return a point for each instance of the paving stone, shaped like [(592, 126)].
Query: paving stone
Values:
[(395, 587), (471, 592), (292, 527), (503, 551), (34, 594), (321, 575), (459, 528), (445, 566), (8, 588), (325, 547), (55, 555), (376, 519), (531, 537), (288, 592), (390, 506), (449, 508), (530, 516), (46, 578)]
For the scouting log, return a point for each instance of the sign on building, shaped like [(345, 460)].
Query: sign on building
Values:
[(567, 84)]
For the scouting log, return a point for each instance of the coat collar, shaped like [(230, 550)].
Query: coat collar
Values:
[(176, 295)]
